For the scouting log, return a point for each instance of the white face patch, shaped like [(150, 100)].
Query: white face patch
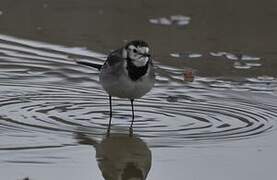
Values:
[(131, 47), (145, 50), (141, 61), (137, 55)]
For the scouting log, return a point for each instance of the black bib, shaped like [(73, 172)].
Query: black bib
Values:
[(135, 72)]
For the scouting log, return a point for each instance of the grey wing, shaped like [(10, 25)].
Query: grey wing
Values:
[(114, 57), (114, 63)]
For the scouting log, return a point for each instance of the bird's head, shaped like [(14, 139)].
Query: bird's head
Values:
[(137, 52)]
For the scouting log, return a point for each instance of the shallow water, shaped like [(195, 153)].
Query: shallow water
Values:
[(212, 114), (54, 118)]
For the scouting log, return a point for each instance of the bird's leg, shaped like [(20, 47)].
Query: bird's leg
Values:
[(111, 113), (133, 117)]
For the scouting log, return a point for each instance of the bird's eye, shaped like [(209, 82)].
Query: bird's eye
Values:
[(135, 51)]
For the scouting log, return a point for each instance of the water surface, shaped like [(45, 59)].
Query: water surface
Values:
[(54, 117), (212, 114)]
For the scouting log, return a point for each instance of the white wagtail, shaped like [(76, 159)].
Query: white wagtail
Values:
[(128, 72)]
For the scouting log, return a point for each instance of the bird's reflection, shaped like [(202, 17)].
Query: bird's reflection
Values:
[(120, 156)]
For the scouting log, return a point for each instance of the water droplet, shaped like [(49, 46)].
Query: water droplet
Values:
[(194, 55), (249, 58), (217, 54), (176, 55), (186, 55), (231, 56), (178, 20)]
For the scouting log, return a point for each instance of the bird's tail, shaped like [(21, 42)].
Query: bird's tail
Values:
[(96, 66)]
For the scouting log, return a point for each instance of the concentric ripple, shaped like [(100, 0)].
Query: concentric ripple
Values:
[(63, 109), (45, 97)]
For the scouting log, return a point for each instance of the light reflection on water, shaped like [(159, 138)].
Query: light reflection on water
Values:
[(120, 156), (46, 99)]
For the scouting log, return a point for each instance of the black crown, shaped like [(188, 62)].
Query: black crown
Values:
[(137, 43)]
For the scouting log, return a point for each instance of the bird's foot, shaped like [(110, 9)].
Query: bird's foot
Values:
[(131, 132), (108, 132)]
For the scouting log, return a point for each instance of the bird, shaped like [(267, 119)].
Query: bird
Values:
[(128, 72)]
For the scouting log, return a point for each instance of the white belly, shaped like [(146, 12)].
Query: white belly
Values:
[(124, 87)]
